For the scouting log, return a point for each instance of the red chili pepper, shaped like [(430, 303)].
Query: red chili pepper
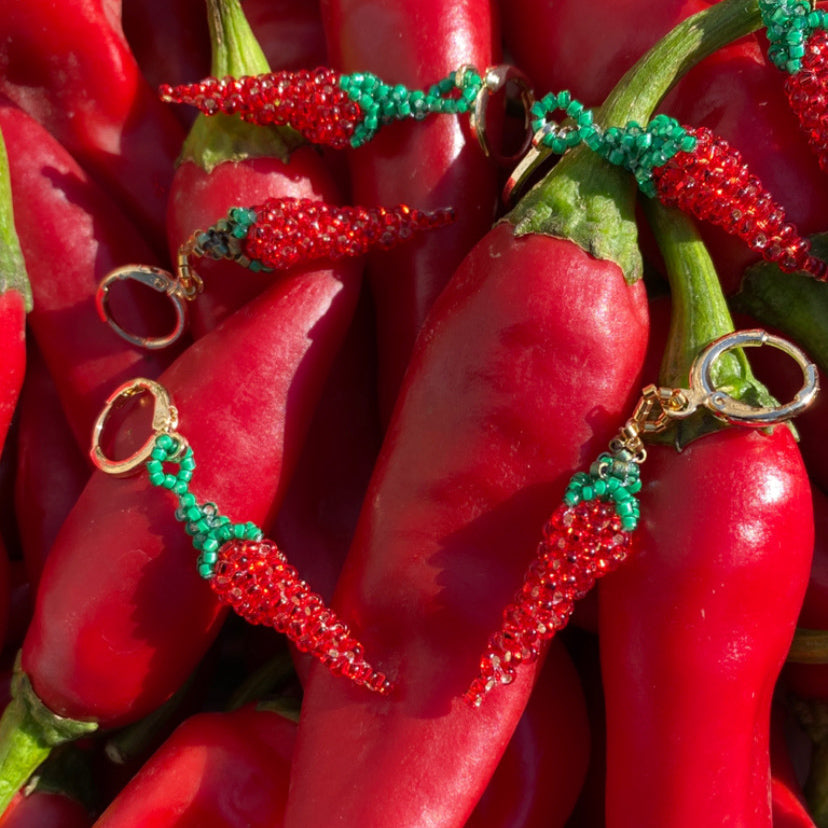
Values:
[(585, 48), (537, 782), (44, 809), (69, 66), (694, 629), (137, 619), (51, 471), (491, 421), (15, 301), (170, 40), (289, 31), (226, 163), (222, 770), (433, 163), (71, 234)]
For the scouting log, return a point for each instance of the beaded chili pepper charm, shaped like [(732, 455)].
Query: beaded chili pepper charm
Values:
[(692, 169), (281, 233), (798, 36), (245, 570), (592, 532), (340, 111)]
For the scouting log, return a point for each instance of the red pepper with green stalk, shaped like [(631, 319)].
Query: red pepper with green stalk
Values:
[(15, 302), (227, 163), (68, 65), (216, 770), (518, 375), (431, 164), (135, 621), (694, 630), (69, 227)]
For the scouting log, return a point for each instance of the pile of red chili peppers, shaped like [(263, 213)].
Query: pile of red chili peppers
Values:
[(410, 413)]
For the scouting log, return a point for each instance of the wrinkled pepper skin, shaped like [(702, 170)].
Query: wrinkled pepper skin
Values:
[(147, 617), (429, 164), (216, 770), (695, 630), (68, 65), (523, 371)]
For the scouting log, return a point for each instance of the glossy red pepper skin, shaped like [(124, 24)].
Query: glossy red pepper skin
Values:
[(13, 349), (695, 630), (216, 770), (68, 65), (543, 768), (492, 420), (72, 234), (429, 164), (138, 618), (50, 472), (585, 48), (290, 32)]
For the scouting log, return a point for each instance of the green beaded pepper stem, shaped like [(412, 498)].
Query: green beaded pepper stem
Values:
[(789, 24), (382, 103), (202, 521), (235, 53), (699, 315), (586, 199)]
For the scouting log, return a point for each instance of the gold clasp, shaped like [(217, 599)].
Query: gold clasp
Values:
[(658, 406), (496, 79), (180, 289), (164, 421)]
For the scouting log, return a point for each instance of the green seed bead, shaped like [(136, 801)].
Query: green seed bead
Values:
[(628, 523), (180, 487), (164, 441), (205, 570), (600, 487), (169, 481), (572, 498), (210, 558), (155, 467), (157, 479), (158, 454), (210, 545)]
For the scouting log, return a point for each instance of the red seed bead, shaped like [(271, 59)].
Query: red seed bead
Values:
[(311, 102), (713, 183), (580, 544), (292, 231), (255, 579), (807, 93)]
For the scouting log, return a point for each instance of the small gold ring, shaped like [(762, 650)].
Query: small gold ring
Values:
[(734, 411), (157, 279), (164, 420), (496, 78)]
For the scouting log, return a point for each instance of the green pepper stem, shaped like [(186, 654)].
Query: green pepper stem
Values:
[(28, 733), (699, 315), (13, 275), (220, 138), (587, 200)]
